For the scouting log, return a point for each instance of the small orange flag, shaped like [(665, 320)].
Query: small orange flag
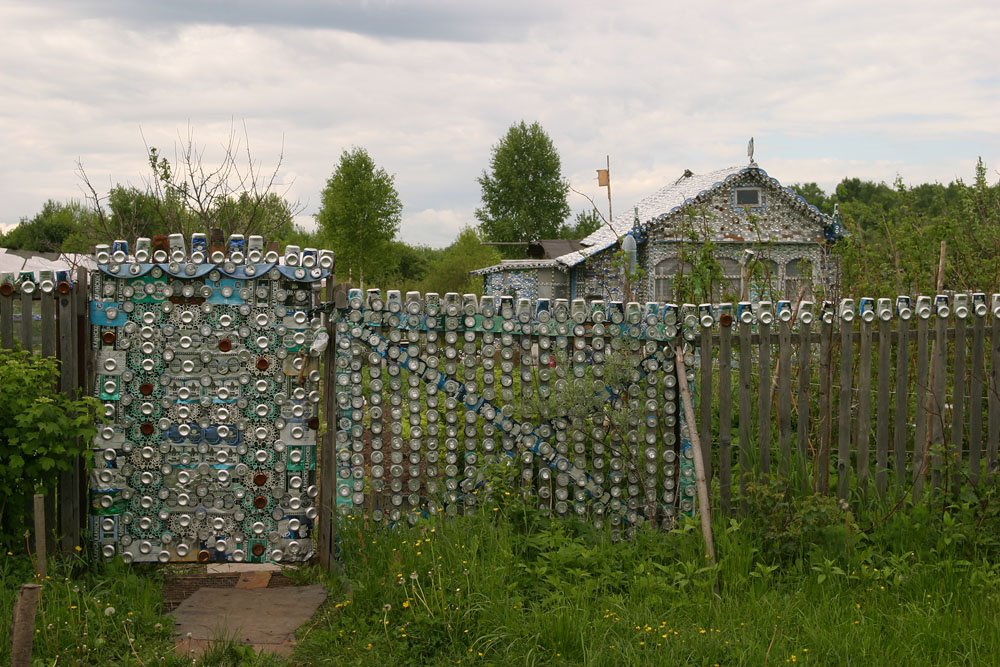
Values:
[(603, 178)]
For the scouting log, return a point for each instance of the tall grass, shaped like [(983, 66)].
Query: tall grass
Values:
[(800, 579), (805, 582)]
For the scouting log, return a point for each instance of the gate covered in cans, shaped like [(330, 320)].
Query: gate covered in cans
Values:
[(211, 398), (431, 392)]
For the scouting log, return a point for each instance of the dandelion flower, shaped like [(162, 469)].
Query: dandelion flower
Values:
[(109, 611)]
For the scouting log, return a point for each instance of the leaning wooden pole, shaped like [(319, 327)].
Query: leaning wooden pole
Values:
[(704, 511), (22, 632), (932, 409)]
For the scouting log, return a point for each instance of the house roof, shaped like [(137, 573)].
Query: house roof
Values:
[(686, 190), (519, 265), (551, 248)]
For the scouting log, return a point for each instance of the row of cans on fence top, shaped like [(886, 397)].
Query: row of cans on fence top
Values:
[(867, 309), (27, 282), (237, 250)]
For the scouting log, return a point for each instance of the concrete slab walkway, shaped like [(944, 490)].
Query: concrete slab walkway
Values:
[(264, 618)]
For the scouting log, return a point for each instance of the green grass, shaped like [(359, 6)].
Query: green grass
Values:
[(508, 587), (799, 580)]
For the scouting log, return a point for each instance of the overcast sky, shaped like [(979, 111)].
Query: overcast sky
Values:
[(828, 89)]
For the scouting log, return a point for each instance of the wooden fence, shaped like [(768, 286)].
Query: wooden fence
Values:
[(50, 318), (881, 397)]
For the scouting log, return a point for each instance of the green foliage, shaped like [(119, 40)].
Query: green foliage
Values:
[(359, 217), (791, 526), (450, 271), (42, 433), (91, 614), (814, 194), (585, 224), (524, 193), (49, 229), (895, 234), (700, 275)]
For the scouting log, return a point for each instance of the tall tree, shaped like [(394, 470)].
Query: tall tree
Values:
[(359, 217), (524, 193)]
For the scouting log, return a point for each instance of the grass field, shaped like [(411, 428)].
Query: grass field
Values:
[(800, 581)]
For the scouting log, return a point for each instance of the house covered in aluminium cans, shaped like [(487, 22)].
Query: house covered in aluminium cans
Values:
[(767, 242)]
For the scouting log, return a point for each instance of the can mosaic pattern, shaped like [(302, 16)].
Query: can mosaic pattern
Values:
[(432, 391), (210, 388)]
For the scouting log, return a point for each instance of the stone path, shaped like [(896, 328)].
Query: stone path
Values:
[(249, 613)]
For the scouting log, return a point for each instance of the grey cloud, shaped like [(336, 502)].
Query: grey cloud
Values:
[(448, 20)]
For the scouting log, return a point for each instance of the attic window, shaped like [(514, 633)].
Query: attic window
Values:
[(748, 196)]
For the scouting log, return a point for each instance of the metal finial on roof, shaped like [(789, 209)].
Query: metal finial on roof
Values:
[(750, 150)]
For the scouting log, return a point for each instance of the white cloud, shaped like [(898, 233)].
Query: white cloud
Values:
[(829, 90)]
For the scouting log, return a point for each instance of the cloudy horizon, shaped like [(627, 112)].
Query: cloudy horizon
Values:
[(828, 89)]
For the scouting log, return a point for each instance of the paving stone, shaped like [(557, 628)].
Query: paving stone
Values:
[(265, 618), (252, 580)]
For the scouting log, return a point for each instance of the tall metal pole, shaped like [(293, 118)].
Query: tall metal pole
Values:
[(608, 157)]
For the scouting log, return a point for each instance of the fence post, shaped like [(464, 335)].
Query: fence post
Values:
[(69, 494), (22, 632), (327, 465)]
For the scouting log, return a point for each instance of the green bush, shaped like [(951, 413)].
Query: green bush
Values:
[(42, 433)]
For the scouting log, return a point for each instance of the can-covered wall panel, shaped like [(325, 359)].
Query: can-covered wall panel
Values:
[(211, 398), (581, 398)]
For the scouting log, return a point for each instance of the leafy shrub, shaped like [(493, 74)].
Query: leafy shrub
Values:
[(789, 526), (42, 433)]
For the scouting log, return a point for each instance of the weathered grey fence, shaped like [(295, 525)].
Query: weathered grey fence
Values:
[(47, 313), (879, 396)]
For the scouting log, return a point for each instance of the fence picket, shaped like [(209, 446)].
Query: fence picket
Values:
[(70, 486), (825, 405), (993, 418), (802, 400), (746, 413), (705, 397), (784, 396), (976, 402), (882, 417), (920, 428), (6, 321), (764, 398), (27, 306), (47, 307), (863, 433), (958, 405), (844, 410), (725, 414), (937, 398), (901, 428)]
